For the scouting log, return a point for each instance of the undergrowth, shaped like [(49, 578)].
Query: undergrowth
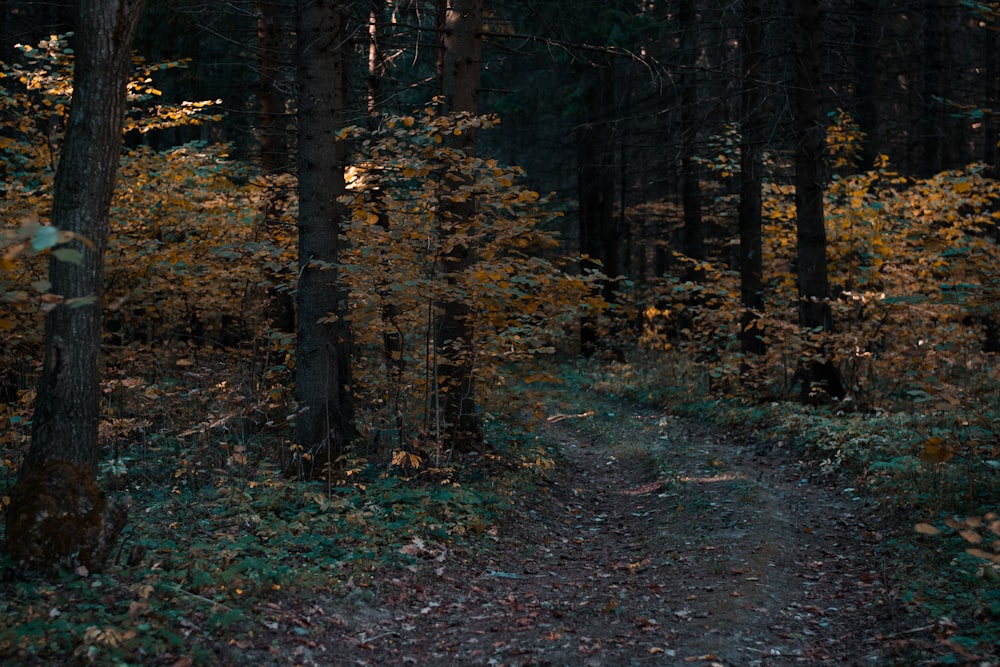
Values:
[(218, 535)]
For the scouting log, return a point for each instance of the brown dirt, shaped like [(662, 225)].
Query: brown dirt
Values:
[(723, 553)]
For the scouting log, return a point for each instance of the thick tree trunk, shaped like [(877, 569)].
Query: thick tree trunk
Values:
[(57, 515), (325, 422), (460, 72), (751, 174)]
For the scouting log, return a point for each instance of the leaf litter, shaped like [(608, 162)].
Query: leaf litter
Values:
[(664, 542)]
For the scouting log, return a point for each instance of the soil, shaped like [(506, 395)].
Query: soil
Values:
[(668, 543)]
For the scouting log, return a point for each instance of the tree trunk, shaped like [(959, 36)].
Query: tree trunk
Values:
[(991, 90), (376, 61), (273, 128), (599, 236), (933, 119), (866, 54), (814, 285), (692, 237), (460, 72), (751, 168), (325, 422), (57, 515)]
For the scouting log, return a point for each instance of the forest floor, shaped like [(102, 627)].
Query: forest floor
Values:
[(662, 541)]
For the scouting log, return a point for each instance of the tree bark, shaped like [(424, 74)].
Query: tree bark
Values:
[(57, 515), (376, 61), (692, 237), (814, 286), (934, 121), (273, 128), (460, 75), (817, 372), (599, 236), (751, 174), (325, 421), (867, 85)]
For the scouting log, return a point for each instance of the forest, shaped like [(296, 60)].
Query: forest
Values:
[(499, 332)]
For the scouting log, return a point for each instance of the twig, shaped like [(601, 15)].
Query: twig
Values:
[(896, 635), (178, 589)]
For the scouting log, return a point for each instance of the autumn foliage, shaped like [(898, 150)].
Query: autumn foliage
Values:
[(910, 261), (201, 260)]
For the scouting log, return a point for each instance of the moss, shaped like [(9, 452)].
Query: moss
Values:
[(58, 517)]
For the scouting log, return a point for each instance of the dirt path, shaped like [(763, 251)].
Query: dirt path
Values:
[(721, 554)]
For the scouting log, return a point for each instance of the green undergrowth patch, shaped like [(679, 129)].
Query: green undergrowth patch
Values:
[(200, 563), (918, 459), (959, 593)]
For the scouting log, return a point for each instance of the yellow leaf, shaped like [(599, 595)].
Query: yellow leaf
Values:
[(926, 529), (971, 536), (934, 451)]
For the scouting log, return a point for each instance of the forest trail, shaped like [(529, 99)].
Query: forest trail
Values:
[(720, 554)]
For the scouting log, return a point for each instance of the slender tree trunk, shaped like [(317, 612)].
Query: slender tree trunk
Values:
[(600, 240), (751, 175), (693, 242), (57, 515), (814, 285), (325, 423), (866, 48), (991, 91), (393, 342), (937, 125), (376, 62), (460, 74), (273, 126)]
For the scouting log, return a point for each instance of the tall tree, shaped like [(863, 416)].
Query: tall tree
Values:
[(934, 123), (810, 146), (866, 74), (595, 154), (270, 47), (376, 59), (991, 91), (751, 175), (693, 243), (325, 422), (460, 63), (57, 515), (814, 286)]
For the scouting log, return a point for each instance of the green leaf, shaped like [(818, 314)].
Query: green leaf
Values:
[(79, 302), (45, 237), (71, 255)]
